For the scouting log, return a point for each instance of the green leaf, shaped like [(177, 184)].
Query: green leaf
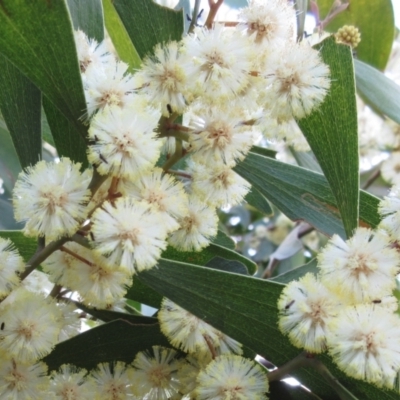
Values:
[(302, 194), (297, 273), (378, 90), (115, 341), (262, 151), (227, 265), (259, 202), (374, 19), (67, 140), (331, 131), (204, 256), (143, 294), (7, 221), (26, 246), (245, 308), (37, 37), (87, 15), (20, 104), (224, 240), (148, 23), (10, 166), (119, 36)]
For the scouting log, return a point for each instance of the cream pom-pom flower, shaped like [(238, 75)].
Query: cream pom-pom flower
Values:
[(52, 198), (362, 269)]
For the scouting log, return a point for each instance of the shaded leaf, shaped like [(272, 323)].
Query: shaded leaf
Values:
[(378, 90), (143, 294), (374, 19), (297, 273), (119, 36), (44, 50), (87, 15), (259, 202), (331, 131), (26, 246), (227, 265), (115, 341), (7, 221), (20, 105), (224, 240), (148, 23)]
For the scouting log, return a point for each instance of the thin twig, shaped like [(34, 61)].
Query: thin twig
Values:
[(55, 292), (214, 7), (175, 157), (372, 179), (195, 14)]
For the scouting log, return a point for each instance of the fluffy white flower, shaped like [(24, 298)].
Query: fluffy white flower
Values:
[(31, 325), (155, 376), (362, 269), (305, 307), (163, 78), (220, 137), (11, 263), (124, 143), (52, 198), (297, 81), (165, 194), (269, 23), (218, 184), (197, 228), (130, 233), (390, 168), (24, 382), (364, 342), (218, 63), (232, 377)]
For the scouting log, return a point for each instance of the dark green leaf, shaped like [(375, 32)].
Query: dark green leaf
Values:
[(377, 90), (20, 104), (204, 256), (224, 240), (259, 202), (143, 294), (331, 131), (245, 308), (302, 194), (115, 341), (148, 23), (262, 151), (67, 140), (227, 265), (26, 246), (306, 159), (374, 19), (37, 37), (297, 273), (119, 36), (7, 221), (87, 15)]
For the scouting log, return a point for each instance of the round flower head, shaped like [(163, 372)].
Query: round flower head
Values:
[(297, 81), (30, 327), (305, 307), (164, 78), (218, 184), (232, 377), (389, 209), (124, 144), (52, 198), (165, 194), (155, 376), (11, 263), (112, 381), (364, 342), (69, 383), (196, 229), (70, 323), (361, 269), (129, 233), (24, 382), (220, 138), (184, 330), (268, 22), (90, 51), (111, 85), (218, 63)]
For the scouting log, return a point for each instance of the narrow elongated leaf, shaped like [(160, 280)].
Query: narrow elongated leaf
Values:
[(302, 194), (143, 294), (119, 36), (258, 201), (245, 308), (148, 23), (224, 240), (378, 90), (44, 50), (67, 140), (20, 104), (115, 341), (87, 15), (331, 131), (374, 19), (297, 273)]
